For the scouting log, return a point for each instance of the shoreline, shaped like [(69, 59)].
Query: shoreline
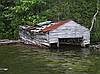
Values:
[(5, 42), (20, 43)]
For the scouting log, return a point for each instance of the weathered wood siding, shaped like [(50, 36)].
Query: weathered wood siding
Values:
[(69, 30), (42, 37)]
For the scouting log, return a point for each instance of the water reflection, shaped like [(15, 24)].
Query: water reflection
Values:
[(79, 60), (76, 49), (67, 60)]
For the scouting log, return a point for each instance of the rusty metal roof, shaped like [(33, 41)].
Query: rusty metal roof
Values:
[(55, 25)]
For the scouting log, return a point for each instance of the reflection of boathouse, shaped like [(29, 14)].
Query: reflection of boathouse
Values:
[(55, 33)]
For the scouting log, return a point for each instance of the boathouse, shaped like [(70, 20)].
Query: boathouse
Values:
[(56, 33)]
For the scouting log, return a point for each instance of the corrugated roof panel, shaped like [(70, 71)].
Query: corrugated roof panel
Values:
[(55, 25)]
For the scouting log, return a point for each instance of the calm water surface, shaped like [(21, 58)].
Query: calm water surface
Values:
[(15, 59)]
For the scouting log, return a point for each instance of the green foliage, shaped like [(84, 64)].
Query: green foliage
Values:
[(20, 12)]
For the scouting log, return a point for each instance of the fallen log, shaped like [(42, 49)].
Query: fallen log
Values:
[(7, 41)]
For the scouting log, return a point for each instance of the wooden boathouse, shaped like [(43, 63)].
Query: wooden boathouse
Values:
[(55, 33)]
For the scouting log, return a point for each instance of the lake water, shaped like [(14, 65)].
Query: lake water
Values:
[(17, 59)]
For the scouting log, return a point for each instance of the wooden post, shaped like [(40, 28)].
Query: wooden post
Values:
[(58, 43)]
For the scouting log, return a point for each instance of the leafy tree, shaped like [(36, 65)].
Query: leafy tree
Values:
[(20, 12)]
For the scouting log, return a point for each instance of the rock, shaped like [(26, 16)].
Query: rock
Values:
[(95, 46), (70, 68), (3, 69)]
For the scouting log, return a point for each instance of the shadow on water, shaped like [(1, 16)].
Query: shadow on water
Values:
[(81, 51), (63, 48)]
